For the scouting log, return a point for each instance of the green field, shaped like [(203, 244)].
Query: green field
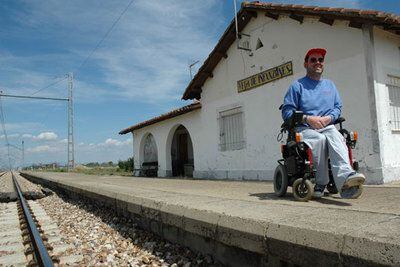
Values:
[(93, 171)]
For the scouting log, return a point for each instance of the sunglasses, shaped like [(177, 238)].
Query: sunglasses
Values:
[(314, 60)]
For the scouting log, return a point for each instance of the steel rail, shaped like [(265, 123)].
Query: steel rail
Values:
[(40, 253)]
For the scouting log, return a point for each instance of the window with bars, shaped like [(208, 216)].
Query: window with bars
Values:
[(394, 98), (231, 129)]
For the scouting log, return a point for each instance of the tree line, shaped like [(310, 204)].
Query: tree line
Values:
[(126, 165)]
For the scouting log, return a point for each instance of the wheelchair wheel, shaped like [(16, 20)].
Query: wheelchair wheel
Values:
[(332, 188), (280, 181), (303, 190)]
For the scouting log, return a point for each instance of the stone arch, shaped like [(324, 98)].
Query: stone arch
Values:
[(179, 151), (148, 149)]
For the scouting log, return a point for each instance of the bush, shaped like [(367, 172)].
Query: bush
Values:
[(126, 165)]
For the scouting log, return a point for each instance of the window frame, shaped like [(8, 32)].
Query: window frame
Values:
[(393, 83), (226, 112)]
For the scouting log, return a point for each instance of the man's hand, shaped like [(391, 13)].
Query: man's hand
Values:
[(317, 122), (326, 120)]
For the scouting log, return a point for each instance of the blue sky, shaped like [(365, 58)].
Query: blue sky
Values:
[(138, 72)]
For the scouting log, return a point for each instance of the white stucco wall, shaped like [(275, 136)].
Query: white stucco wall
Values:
[(163, 133), (284, 40), (387, 52)]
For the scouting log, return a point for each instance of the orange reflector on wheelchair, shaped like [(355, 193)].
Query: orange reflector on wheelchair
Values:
[(354, 136), (299, 137)]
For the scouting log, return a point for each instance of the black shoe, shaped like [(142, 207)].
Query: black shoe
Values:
[(319, 191)]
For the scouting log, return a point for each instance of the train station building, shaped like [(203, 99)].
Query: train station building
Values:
[(230, 130)]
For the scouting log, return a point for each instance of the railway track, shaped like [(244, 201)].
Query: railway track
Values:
[(28, 237), (80, 233), (31, 232)]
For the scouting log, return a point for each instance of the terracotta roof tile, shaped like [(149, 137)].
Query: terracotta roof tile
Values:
[(350, 11), (310, 7), (322, 9), (272, 5), (381, 14), (168, 115), (369, 12)]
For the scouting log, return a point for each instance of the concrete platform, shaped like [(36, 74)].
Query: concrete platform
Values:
[(243, 223)]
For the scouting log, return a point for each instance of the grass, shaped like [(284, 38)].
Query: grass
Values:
[(100, 171)]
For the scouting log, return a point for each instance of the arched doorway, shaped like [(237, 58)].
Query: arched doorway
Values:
[(182, 153), (149, 165)]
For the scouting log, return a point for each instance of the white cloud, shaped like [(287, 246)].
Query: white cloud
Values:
[(44, 136), (40, 149), (22, 126), (110, 149), (27, 136), (114, 142), (144, 58), (47, 136), (10, 136)]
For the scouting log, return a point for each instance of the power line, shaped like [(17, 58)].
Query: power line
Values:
[(88, 57), (3, 124), (49, 85), (56, 82), (34, 97), (104, 37)]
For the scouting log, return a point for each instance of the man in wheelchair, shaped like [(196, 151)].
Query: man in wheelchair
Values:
[(318, 104)]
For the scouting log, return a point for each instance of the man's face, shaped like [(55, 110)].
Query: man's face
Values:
[(315, 64)]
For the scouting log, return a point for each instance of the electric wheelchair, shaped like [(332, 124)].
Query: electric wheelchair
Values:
[(296, 167)]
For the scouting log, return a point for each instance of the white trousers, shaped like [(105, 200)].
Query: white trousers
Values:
[(329, 143)]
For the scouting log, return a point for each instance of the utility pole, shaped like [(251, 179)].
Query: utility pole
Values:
[(71, 153), (71, 161), (3, 124), (23, 155)]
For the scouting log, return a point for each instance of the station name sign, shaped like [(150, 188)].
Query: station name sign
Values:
[(270, 75)]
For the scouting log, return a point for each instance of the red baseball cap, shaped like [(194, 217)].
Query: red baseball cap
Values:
[(321, 51)]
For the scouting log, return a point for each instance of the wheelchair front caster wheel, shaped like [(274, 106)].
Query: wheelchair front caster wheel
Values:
[(280, 181), (303, 190)]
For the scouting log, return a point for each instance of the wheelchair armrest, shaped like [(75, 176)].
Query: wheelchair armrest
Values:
[(285, 125), (340, 120)]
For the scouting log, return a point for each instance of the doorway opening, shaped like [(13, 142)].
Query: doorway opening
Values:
[(182, 153)]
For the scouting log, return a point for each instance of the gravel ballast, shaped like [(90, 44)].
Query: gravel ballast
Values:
[(103, 238), (29, 189)]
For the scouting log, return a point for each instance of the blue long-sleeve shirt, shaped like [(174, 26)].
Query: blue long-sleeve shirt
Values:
[(316, 98)]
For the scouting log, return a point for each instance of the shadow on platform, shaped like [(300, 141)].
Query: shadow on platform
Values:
[(290, 197)]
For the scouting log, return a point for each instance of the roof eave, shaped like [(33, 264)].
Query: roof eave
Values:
[(219, 52), (248, 10), (166, 116)]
